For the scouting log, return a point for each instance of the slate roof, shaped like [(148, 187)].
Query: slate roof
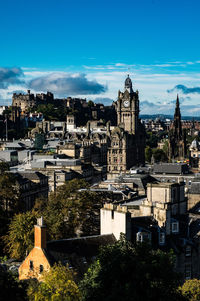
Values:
[(139, 180), (77, 252), (30, 175), (195, 187), (170, 168)]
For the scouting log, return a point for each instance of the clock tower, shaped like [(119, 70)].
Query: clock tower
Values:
[(126, 142), (128, 108)]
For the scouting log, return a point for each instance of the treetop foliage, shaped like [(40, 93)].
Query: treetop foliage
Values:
[(20, 237), (126, 272), (68, 213), (58, 284), (191, 289)]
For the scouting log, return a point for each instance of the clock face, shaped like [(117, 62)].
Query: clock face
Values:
[(126, 103)]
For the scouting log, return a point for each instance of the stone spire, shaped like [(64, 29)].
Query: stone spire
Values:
[(177, 120)]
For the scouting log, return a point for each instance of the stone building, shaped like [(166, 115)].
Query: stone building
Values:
[(163, 221), (126, 142), (164, 202), (194, 154), (119, 147), (27, 101), (177, 137), (32, 185), (23, 101)]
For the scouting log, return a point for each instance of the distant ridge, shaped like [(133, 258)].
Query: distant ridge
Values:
[(162, 116)]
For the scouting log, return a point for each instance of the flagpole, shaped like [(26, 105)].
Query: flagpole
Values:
[(6, 128)]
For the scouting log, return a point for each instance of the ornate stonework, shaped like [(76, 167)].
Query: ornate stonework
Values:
[(126, 142), (177, 138)]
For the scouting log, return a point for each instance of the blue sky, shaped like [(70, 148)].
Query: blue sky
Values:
[(86, 48)]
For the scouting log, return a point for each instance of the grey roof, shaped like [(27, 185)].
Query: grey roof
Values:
[(31, 175), (139, 180), (8, 151), (195, 187), (77, 252), (170, 168), (15, 144), (41, 163)]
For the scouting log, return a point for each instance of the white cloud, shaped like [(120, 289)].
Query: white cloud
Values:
[(65, 84), (152, 81)]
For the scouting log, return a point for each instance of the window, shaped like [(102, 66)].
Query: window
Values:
[(41, 268), (175, 227), (188, 251), (174, 195), (143, 236), (31, 265), (84, 260), (188, 272), (161, 238)]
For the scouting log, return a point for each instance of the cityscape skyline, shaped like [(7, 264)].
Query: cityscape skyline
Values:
[(71, 50)]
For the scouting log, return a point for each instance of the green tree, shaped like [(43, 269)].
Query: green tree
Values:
[(148, 153), (191, 289), (52, 112), (159, 155), (9, 193), (20, 237), (151, 139), (39, 141), (126, 272), (57, 285), (3, 167), (70, 211), (166, 146), (90, 103)]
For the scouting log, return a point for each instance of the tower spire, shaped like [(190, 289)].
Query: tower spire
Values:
[(177, 120), (177, 101), (128, 84)]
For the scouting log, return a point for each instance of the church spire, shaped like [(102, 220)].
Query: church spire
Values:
[(177, 101), (177, 120)]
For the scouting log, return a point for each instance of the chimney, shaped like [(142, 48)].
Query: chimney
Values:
[(40, 234)]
